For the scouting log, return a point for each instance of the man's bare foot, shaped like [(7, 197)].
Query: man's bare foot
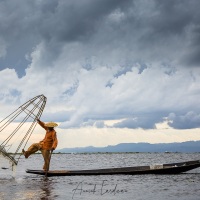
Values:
[(25, 153)]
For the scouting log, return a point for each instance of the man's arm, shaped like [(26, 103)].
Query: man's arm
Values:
[(42, 124)]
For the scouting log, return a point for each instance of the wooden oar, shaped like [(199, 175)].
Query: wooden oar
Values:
[(49, 163)]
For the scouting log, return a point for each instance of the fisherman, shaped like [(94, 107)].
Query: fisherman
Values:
[(47, 145)]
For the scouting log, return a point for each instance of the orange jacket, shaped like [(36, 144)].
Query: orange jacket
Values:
[(50, 139)]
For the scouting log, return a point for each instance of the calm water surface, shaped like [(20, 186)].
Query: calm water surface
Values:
[(171, 187)]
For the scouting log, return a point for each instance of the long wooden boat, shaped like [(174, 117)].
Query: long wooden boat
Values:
[(172, 168)]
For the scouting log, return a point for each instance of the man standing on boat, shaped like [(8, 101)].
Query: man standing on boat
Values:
[(46, 146)]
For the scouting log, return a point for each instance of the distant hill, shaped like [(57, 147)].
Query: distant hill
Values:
[(190, 146)]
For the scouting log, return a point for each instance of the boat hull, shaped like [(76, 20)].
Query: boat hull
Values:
[(173, 168)]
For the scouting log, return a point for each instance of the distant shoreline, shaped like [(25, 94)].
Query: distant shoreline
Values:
[(62, 153), (184, 147)]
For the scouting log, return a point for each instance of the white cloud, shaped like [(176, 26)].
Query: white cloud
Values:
[(10, 91), (77, 96)]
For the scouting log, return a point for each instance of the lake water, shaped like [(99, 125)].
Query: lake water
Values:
[(119, 187)]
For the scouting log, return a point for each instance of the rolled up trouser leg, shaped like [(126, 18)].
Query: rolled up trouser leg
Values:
[(32, 149), (46, 154)]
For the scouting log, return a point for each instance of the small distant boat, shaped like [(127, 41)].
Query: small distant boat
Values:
[(172, 168)]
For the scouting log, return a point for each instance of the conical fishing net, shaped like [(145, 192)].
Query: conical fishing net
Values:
[(16, 130)]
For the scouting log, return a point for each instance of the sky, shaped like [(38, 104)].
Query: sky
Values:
[(113, 71)]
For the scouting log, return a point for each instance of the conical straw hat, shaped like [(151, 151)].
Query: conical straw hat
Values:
[(51, 124)]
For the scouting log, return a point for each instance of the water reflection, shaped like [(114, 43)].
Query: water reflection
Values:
[(38, 188), (46, 186)]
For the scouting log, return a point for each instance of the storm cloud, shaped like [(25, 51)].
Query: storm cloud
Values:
[(99, 60), (187, 121)]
